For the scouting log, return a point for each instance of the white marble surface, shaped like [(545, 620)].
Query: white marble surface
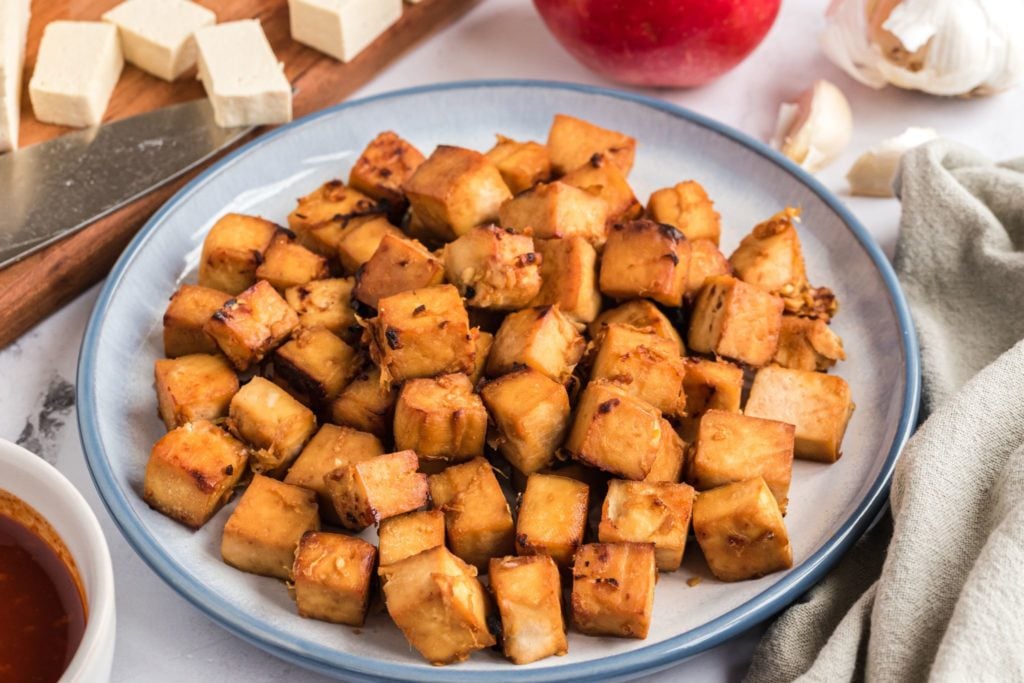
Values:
[(160, 636)]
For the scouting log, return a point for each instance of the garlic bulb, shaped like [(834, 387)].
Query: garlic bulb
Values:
[(814, 129), (873, 172), (943, 47)]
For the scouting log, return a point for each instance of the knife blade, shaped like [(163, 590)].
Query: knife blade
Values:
[(51, 189)]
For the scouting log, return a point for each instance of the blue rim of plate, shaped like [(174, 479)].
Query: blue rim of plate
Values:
[(335, 662)]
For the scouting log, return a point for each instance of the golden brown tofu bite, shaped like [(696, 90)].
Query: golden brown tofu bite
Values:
[(639, 313), (398, 265), (541, 338), (331, 575), (327, 304), (383, 167), (289, 264), (646, 512), (645, 259), (671, 459), (194, 387), (484, 342), (478, 521), (613, 589), (493, 268), (552, 517), (601, 176), (568, 273), (367, 403), (252, 324), (686, 207), (441, 419), (317, 363), (528, 593), (273, 423), (808, 344), (643, 364), (360, 240), (705, 261), (572, 142), (521, 164), (709, 384), (366, 492), (325, 214), (556, 209), (233, 250), (189, 309), (737, 320), (409, 534)]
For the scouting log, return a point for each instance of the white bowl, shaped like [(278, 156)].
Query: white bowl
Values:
[(42, 487)]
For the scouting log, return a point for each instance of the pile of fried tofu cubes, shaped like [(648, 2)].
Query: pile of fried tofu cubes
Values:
[(437, 320)]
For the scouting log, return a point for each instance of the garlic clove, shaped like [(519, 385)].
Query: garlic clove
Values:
[(814, 129), (873, 173)]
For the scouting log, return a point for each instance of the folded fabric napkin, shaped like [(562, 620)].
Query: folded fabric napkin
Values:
[(938, 593)]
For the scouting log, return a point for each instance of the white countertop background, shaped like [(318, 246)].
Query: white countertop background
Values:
[(163, 638)]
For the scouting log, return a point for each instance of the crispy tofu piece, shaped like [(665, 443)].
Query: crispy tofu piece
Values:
[(289, 264), (493, 268), (705, 261), (441, 419), (454, 190), (615, 431), (602, 177), (737, 320), (645, 512), (233, 250), (398, 265), (733, 447), (568, 273), (317, 363), (540, 338), (332, 575), (639, 313), (383, 167), (360, 240), (552, 517), (531, 417), (322, 217), (643, 364), (366, 404), (251, 325), (484, 342), (409, 534), (770, 257), (709, 384), (572, 142), (808, 344), (740, 530), (669, 463), (688, 209), (477, 518), (521, 164), (645, 259), (613, 589), (194, 387), (192, 471), (326, 304), (819, 405), (439, 604), (263, 532), (273, 423), (189, 309), (372, 490), (528, 593), (422, 333), (555, 210)]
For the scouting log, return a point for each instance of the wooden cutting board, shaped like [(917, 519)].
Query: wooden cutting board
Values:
[(38, 285)]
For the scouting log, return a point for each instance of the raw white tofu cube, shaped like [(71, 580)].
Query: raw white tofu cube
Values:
[(341, 28), (13, 30), (157, 35), (77, 68), (242, 77)]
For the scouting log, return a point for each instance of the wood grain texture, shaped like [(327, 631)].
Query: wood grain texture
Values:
[(38, 285)]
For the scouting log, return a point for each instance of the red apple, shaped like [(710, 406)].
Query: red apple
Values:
[(659, 42)]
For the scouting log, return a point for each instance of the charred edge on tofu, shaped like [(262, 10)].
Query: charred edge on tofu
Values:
[(257, 257), (596, 160), (229, 470), (362, 210), (607, 406), (391, 335), (671, 256), (281, 230), (419, 309)]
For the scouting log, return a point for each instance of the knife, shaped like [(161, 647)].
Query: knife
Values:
[(52, 189)]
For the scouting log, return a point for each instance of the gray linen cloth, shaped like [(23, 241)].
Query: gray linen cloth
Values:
[(938, 592)]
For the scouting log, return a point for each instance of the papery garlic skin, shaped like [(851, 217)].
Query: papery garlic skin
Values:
[(814, 129), (942, 47), (873, 173)]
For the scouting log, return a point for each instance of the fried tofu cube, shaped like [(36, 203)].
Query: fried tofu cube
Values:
[(325, 214), (367, 492), (484, 342), (528, 593), (521, 164), (552, 517), (189, 309), (709, 384), (734, 319), (819, 405), (409, 534), (441, 419), (553, 210), (645, 512), (770, 257), (383, 167), (360, 240), (615, 431), (493, 268), (733, 447), (366, 404), (252, 324), (531, 417), (332, 574), (398, 265), (317, 363), (194, 387), (439, 605), (808, 344), (568, 273), (572, 142), (613, 589), (602, 177), (273, 423), (192, 471), (669, 463), (289, 264), (705, 261), (740, 530), (263, 533), (477, 518), (541, 338), (454, 190), (326, 304), (688, 209), (233, 250), (645, 259), (422, 333), (639, 313), (643, 364)]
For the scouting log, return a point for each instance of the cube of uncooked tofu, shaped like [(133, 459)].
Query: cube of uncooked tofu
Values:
[(819, 405), (557, 209), (733, 447), (14, 18), (613, 589), (478, 521), (367, 492), (688, 209), (645, 512), (439, 604), (233, 250), (273, 423), (398, 265), (808, 344), (541, 338), (76, 69), (454, 190), (705, 261), (263, 533), (552, 517), (643, 364), (409, 534), (740, 530), (289, 264), (327, 304), (669, 463), (332, 577), (528, 593), (189, 309), (194, 387), (770, 257), (380, 171), (252, 324), (737, 320), (601, 176), (441, 419), (341, 29), (192, 472), (521, 164), (493, 268), (360, 240), (645, 259), (323, 216), (242, 77), (568, 273), (572, 142), (639, 313), (531, 417), (366, 403), (157, 35)]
